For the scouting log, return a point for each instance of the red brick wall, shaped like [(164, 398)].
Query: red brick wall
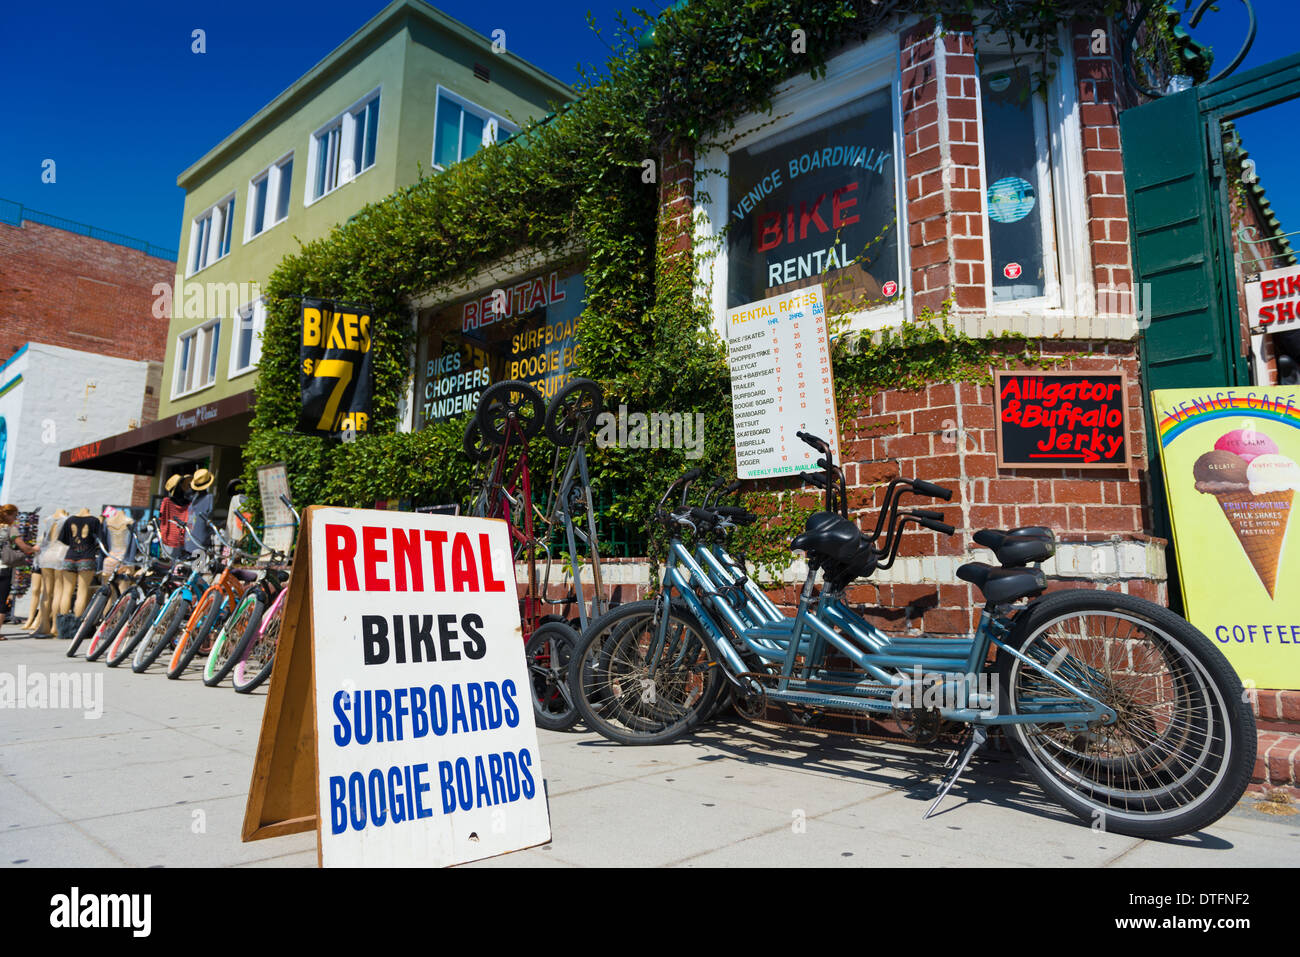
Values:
[(1097, 75), (676, 201), (68, 290), (942, 165)]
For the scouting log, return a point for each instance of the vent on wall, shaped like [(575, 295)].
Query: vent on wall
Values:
[(481, 72)]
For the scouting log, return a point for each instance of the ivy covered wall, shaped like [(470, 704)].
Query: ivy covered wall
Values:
[(580, 178)]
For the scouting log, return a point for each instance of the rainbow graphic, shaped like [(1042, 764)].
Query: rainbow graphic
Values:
[(1181, 409)]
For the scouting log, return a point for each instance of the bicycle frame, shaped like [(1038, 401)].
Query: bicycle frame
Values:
[(826, 623)]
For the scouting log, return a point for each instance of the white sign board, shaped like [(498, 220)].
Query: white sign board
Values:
[(272, 482), (426, 749), (780, 383), (1273, 301)]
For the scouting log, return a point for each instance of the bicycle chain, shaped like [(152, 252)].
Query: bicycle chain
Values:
[(868, 736)]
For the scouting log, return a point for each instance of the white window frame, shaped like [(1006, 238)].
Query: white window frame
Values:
[(218, 216), (274, 177), (1060, 156), (466, 106), (201, 332), (856, 73), (346, 123), (254, 312)]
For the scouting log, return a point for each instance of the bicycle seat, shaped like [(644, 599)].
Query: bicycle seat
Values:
[(1019, 546), (244, 574), (830, 536), (1000, 585)]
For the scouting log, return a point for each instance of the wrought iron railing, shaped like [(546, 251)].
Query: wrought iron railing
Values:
[(15, 214)]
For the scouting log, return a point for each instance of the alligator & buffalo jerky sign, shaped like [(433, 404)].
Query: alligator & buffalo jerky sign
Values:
[(334, 370), (817, 203), (1062, 419)]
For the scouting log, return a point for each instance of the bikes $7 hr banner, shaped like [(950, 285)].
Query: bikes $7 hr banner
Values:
[(334, 368)]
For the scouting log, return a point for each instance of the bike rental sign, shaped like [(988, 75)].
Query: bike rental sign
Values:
[(423, 733)]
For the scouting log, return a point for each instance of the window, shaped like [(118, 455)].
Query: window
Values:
[(462, 127), (246, 346), (268, 198), (810, 193), (210, 234), (1039, 256), (196, 359), (344, 148), (1017, 174)]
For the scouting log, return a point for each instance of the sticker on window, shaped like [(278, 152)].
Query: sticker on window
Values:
[(1011, 199), (1011, 270)]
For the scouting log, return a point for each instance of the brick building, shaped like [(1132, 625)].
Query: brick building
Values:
[(944, 93), (81, 348)]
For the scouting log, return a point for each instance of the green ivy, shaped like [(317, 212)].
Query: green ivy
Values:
[(573, 188)]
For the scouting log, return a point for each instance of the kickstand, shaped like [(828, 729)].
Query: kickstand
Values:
[(974, 741)]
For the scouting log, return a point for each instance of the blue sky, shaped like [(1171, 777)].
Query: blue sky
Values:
[(113, 94)]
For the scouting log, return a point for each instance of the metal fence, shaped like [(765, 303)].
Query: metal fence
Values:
[(16, 213)]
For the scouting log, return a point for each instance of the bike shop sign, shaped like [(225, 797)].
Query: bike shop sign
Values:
[(425, 742), (1273, 300)]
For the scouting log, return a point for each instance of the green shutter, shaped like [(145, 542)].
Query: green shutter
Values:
[(1165, 170)]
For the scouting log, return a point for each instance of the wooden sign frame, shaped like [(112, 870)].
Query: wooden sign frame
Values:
[(1001, 463), (283, 796)]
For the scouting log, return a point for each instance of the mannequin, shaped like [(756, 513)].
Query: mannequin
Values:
[(120, 543), (50, 562), (79, 533), (35, 593)]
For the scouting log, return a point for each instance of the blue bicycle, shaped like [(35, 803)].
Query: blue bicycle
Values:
[(1121, 710)]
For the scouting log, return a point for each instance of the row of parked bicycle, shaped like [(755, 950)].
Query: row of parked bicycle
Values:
[(207, 607)]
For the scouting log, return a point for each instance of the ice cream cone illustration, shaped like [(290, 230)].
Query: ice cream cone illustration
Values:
[(1255, 487)]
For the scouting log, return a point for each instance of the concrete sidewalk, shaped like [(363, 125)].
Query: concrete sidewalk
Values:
[(161, 778)]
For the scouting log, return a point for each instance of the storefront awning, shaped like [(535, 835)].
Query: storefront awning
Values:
[(223, 423)]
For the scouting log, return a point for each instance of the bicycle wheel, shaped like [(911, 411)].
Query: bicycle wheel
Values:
[(574, 409), (205, 618), (111, 626), (611, 681), (165, 629), (89, 623), (134, 630), (254, 666), (510, 400), (230, 642), (473, 445), (1180, 753), (548, 651)]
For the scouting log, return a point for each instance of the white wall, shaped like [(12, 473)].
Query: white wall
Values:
[(67, 398)]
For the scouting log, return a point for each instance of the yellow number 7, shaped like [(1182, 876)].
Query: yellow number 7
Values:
[(339, 369)]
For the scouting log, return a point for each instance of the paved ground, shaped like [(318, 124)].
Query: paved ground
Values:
[(161, 777)]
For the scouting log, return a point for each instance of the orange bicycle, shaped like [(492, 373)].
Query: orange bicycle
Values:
[(213, 607)]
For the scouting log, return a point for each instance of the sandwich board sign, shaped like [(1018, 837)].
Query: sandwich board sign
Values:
[(399, 722)]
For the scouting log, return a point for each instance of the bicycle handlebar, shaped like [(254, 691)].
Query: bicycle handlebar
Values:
[(819, 444)]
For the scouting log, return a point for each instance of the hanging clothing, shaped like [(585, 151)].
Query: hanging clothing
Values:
[(79, 533), (200, 509), (53, 550), (170, 512)]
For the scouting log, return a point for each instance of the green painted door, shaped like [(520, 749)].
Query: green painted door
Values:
[(1176, 261)]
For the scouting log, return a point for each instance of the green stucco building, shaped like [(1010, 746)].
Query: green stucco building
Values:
[(408, 94)]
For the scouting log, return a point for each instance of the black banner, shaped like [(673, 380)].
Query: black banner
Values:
[(334, 370), (1062, 419)]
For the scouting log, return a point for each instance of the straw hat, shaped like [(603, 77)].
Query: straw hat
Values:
[(202, 480), (172, 482)]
